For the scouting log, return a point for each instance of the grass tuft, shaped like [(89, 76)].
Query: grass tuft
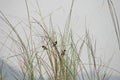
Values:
[(57, 55)]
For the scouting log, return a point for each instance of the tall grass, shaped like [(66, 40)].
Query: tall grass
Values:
[(58, 56), (1, 72), (115, 20)]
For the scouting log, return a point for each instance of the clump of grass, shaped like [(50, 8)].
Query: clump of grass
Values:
[(58, 55)]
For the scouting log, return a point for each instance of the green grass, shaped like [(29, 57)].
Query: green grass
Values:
[(56, 55)]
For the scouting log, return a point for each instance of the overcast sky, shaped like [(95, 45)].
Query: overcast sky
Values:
[(94, 12)]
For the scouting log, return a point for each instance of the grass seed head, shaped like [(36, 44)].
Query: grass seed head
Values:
[(55, 43), (63, 52), (44, 47)]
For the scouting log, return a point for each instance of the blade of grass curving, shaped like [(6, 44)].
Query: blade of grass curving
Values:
[(115, 20)]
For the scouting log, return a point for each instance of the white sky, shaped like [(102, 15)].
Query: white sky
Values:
[(98, 20)]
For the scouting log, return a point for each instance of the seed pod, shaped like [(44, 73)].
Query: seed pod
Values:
[(55, 43), (44, 47), (63, 52)]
